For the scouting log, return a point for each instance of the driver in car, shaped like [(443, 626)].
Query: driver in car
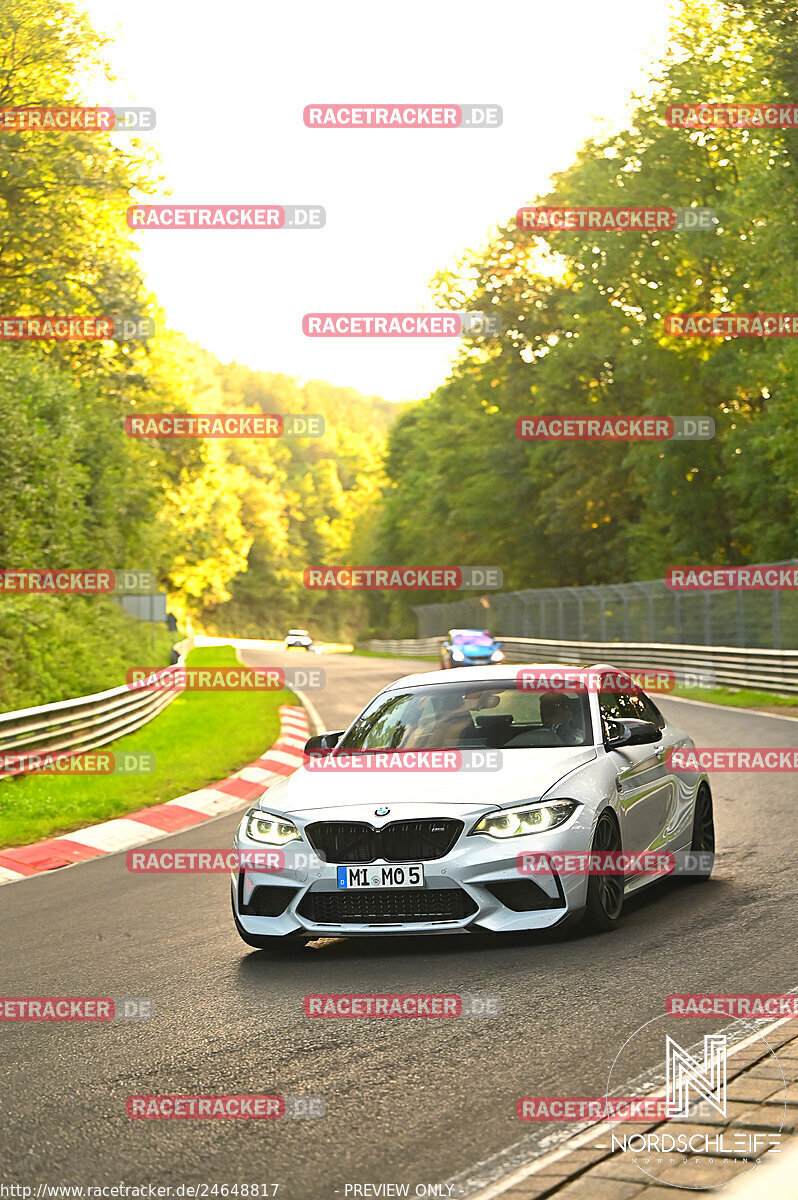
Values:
[(562, 714)]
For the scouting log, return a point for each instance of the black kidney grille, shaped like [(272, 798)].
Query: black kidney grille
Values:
[(386, 906), (419, 839), (342, 841), (401, 841)]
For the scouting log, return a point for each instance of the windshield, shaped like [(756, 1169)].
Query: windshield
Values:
[(472, 639), (459, 717)]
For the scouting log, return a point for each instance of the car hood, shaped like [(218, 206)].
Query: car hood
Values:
[(524, 775)]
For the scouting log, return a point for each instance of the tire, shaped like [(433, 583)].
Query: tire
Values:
[(604, 892), (703, 839)]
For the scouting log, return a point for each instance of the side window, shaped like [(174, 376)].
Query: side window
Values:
[(616, 706), (647, 710)]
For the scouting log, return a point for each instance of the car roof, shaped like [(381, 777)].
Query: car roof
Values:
[(459, 632), (505, 673)]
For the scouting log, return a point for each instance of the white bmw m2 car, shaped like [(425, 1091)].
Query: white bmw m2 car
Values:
[(382, 831)]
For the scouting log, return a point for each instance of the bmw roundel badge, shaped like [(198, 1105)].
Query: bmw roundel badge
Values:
[(381, 812)]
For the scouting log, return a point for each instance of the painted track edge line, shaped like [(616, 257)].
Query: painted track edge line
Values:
[(501, 1185)]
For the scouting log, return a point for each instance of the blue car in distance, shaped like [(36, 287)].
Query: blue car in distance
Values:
[(470, 648)]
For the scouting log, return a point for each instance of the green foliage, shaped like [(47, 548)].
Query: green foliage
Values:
[(200, 738), (227, 526), (56, 647), (583, 319), (281, 504)]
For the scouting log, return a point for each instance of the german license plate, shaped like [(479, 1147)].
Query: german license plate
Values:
[(405, 876)]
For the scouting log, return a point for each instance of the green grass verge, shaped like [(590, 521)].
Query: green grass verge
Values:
[(737, 698), (200, 738)]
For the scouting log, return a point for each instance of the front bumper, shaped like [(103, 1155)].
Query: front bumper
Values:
[(476, 887)]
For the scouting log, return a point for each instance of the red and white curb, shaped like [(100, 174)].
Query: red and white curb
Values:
[(122, 833)]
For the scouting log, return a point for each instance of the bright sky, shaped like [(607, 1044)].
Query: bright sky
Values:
[(229, 82)]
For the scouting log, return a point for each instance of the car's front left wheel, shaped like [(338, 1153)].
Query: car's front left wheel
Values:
[(604, 892)]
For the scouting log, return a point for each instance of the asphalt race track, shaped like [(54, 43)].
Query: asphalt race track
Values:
[(407, 1101)]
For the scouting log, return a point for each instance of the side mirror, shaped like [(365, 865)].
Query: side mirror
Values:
[(323, 743), (631, 732)]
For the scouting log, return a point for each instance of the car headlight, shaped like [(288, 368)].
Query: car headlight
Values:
[(517, 822), (274, 831), (458, 655), (497, 656)]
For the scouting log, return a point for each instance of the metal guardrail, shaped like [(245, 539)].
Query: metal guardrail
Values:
[(409, 647), (85, 722), (730, 666), (646, 611)]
